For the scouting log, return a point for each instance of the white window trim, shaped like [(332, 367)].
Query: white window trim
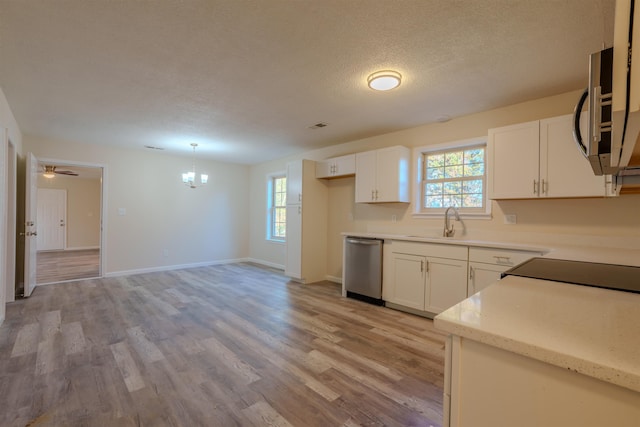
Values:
[(417, 177), (268, 220)]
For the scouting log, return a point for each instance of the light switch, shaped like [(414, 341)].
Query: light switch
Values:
[(122, 211)]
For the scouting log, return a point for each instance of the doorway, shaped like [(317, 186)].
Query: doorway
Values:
[(69, 224)]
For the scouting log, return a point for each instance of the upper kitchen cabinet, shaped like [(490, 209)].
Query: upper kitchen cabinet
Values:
[(294, 182), (336, 167), (540, 159), (383, 175)]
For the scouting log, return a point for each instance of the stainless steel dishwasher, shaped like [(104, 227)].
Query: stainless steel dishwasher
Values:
[(363, 269)]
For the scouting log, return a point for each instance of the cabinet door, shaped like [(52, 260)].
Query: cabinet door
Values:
[(294, 182), (392, 179), (446, 283), (365, 177), (293, 258), (324, 168), (513, 161), (408, 280), (344, 165), (564, 172), (482, 275)]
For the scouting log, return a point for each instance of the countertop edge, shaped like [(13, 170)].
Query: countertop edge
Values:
[(451, 241)]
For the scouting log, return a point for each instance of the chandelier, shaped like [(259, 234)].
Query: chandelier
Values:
[(189, 178)]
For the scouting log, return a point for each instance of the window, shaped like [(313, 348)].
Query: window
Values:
[(276, 208), (454, 175)]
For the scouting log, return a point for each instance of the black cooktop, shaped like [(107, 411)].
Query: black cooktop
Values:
[(609, 276)]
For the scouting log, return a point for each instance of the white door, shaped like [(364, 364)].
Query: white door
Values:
[(30, 233), (51, 219)]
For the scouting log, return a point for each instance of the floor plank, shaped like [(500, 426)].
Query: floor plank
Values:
[(58, 266), (224, 345)]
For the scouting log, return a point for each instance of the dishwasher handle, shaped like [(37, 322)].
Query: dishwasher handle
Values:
[(366, 242)]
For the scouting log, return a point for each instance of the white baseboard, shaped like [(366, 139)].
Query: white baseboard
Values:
[(334, 279), (174, 267), (266, 263), (81, 248)]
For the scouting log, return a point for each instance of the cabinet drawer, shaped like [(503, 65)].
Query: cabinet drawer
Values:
[(436, 250), (507, 257)]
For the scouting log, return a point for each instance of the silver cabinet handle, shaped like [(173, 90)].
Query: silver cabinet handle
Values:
[(376, 194), (421, 266), (471, 273), (372, 193), (535, 187), (502, 259), (545, 186)]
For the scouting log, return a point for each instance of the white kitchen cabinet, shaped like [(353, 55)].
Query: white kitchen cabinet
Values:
[(383, 175), (336, 167), (306, 242), (408, 284), (424, 277), (294, 182), (293, 261), (446, 283), (486, 386), (539, 159), (487, 264)]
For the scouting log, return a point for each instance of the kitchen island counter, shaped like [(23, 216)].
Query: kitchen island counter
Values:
[(534, 352)]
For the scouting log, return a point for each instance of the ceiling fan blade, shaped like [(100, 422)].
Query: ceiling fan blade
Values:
[(71, 173)]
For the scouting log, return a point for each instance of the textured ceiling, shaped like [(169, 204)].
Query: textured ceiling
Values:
[(246, 79)]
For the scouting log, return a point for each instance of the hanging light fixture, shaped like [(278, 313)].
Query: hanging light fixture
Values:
[(384, 80), (189, 178)]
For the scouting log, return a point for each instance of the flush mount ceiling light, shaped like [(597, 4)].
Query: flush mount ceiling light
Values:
[(384, 80), (189, 178)]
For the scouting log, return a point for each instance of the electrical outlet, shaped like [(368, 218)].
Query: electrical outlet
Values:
[(165, 252), (394, 219), (510, 219)]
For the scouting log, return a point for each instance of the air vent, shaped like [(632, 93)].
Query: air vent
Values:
[(318, 125), (151, 147)]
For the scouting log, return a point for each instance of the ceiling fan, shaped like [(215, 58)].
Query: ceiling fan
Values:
[(50, 171)]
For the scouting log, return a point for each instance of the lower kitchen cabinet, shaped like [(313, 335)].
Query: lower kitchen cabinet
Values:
[(446, 285), (486, 386), (487, 264), (415, 279), (407, 286)]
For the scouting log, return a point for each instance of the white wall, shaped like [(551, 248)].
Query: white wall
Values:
[(600, 222), (7, 202), (83, 208), (166, 224)]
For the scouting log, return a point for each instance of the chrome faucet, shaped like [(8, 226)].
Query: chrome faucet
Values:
[(448, 228)]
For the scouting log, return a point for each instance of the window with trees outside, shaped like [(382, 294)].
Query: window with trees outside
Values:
[(277, 208), (454, 177)]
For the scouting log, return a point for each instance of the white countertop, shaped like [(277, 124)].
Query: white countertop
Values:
[(602, 254), (587, 330), (450, 241)]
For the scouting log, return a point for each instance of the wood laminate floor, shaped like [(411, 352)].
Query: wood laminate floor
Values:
[(230, 345), (58, 266)]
